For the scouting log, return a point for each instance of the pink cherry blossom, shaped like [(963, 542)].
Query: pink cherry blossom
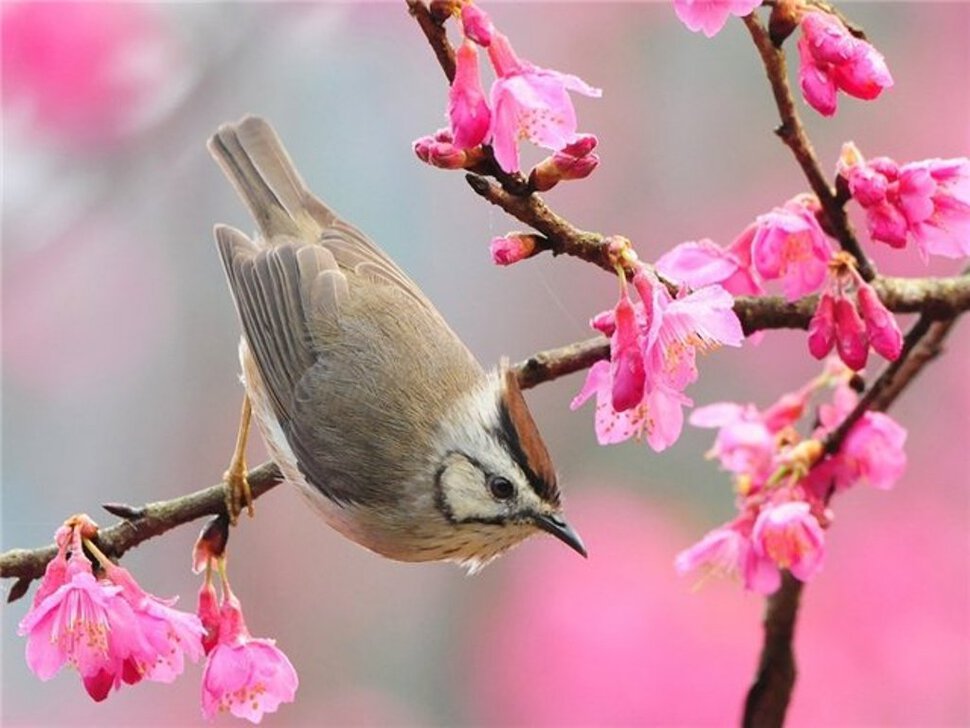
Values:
[(172, 634), (791, 537), (833, 59), (709, 16), (744, 444), (87, 624), (873, 452), (701, 320), (658, 418), (928, 201), (467, 108), (245, 676), (509, 249), (884, 334), (476, 24), (728, 551), (531, 103), (703, 262), (790, 245)]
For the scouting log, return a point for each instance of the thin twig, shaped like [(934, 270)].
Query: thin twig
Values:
[(792, 133)]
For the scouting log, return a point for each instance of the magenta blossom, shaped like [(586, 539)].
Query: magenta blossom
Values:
[(703, 263), (654, 344), (728, 551), (791, 536), (709, 16), (531, 103), (658, 417), (468, 110), (832, 60), (928, 201), (873, 452), (87, 624), (790, 245), (172, 634), (702, 320), (109, 629), (245, 676)]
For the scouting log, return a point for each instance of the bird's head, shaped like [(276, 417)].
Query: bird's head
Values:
[(494, 481)]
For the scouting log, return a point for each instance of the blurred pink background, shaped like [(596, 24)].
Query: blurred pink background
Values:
[(120, 373)]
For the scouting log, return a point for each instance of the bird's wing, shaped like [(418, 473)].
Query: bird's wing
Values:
[(255, 161)]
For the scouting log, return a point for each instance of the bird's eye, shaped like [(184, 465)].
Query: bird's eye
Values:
[(500, 488)]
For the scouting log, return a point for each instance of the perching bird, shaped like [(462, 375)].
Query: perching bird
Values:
[(365, 397)]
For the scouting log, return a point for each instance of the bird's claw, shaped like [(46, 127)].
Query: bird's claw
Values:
[(238, 494)]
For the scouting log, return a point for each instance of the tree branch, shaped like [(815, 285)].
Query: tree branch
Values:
[(792, 133), (768, 698), (154, 519)]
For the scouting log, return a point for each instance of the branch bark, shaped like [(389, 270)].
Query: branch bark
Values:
[(792, 133)]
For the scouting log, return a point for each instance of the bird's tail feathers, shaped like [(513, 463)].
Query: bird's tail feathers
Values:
[(253, 158)]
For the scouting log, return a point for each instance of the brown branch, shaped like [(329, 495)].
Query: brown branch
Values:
[(154, 519), (792, 133), (436, 35), (768, 698)]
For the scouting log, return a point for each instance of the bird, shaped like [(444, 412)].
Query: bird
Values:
[(366, 398)]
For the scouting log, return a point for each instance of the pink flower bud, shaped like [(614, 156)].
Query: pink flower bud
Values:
[(573, 161), (604, 322), (884, 333), (851, 339), (476, 24), (832, 58), (821, 329), (509, 249), (439, 152), (627, 357), (467, 109)]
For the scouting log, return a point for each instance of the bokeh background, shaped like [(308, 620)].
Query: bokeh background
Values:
[(120, 372)]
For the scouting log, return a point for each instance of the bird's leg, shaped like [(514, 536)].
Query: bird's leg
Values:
[(238, 493)]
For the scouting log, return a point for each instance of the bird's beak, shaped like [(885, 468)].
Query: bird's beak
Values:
[(556, 525)]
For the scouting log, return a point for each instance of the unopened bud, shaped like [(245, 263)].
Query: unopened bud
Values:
[(574, 161), (211, 543), (439, 150), (509, 249), (476, 24)]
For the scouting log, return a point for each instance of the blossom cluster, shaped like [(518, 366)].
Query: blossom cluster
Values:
[(653, 345), (107, 628), (113, 632), (832, 58), (525, 102), (783, 482)]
